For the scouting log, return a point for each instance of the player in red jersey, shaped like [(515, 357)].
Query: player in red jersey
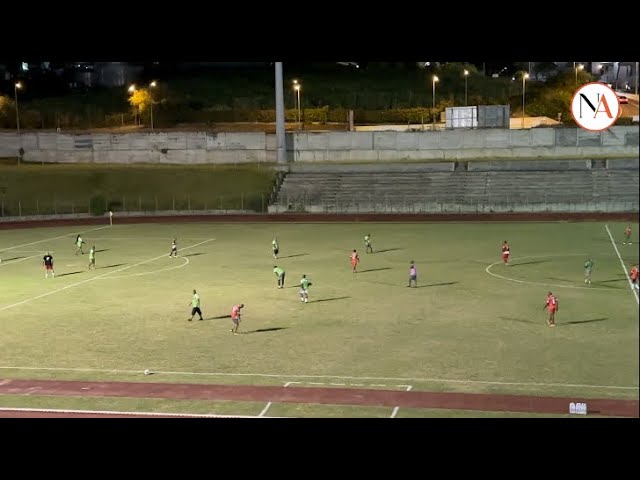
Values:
[(505, 252), (634, 276), (235, 317), (355, 259), (552, 305)]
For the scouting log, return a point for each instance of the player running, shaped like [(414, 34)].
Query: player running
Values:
[(304, 289), (633, 274), (552, 305), (275, 248), (47, 261), (174, 249), (505, 253), (355, 259), (79, 243), (235, 317), (367, 243), (588, 267)]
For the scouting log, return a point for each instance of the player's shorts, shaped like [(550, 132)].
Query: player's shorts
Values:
[(413, 277), (505, 255), (587, 272), (195, 310), (92, 261), (49, 267), (236, 321), (304, 292), (552, 310), (276, 251), (354, 263)]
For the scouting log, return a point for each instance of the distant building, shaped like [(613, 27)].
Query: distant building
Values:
[(116, 74)]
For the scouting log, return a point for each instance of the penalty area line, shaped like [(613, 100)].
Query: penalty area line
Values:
[(624, 269), (94, 278)]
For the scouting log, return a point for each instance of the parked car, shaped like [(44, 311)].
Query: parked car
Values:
[(622, 99)]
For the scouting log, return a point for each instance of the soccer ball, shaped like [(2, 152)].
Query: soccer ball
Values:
[(147, 372)]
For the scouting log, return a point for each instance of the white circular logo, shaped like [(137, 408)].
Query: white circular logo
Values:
[(595, 107)]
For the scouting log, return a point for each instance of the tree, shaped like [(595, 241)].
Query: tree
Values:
[(7, 112), (140, 99)]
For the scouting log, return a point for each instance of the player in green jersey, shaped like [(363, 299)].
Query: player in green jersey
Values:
[(280, 274), (367, 243), (195, 306), (304, 289), (588, 267), (92, 258)]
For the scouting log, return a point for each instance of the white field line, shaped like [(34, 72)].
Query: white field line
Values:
[(111, 412), (332, 377), (152, 272), (11, 262), (396, 409), (264, 410), (624, 268), (50, 239), (488, 270), (94, 278)]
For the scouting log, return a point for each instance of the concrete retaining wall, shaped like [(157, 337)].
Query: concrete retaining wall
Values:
[(307, 147)]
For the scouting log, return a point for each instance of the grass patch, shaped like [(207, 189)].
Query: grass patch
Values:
[(36, 189)]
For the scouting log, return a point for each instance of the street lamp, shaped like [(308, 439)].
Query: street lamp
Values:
[(17, 86), (297, 87), (578, 67), (435, 79), (524, 78), (151, 85), (131, 89), (466, 76)]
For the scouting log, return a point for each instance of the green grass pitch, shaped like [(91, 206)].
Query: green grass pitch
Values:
[(472, 324)]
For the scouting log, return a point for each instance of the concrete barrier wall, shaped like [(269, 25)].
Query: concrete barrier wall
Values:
[(308, 147)]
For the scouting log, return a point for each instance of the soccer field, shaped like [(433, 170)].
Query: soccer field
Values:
[(472, 325)]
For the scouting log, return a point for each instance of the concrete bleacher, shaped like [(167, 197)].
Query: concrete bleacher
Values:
[(510, 186)]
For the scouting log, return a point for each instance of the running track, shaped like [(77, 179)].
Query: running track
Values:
[(311, 395)]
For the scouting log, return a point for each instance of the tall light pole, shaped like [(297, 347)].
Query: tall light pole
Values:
[(151, 85), (280, 125), (131, 89), (17, 86), (433, 94), (524, 78), (576, 68), (297, 87), (466, 76)]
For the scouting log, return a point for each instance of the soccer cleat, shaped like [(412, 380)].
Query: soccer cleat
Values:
[(306, 300), (189, 319)]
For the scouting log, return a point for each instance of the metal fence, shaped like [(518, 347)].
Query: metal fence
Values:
[(98, 205), (455, 204)]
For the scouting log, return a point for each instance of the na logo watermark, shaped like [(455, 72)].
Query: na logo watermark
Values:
[(595, 107)]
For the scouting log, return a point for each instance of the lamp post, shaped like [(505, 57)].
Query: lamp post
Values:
[(576, 68), (17, 86), (466, 76), (524, 78), (433, 94), (131, 89), (297, 87), (151, 85)]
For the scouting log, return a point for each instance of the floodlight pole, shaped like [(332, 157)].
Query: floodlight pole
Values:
[(280, 127)]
